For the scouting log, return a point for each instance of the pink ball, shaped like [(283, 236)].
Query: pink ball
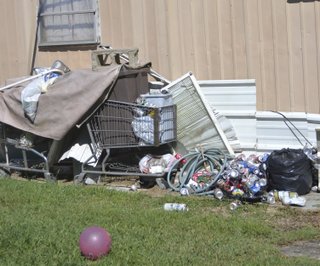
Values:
[(94, 242)]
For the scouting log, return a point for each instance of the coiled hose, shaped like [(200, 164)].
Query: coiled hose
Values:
[(213, 159)]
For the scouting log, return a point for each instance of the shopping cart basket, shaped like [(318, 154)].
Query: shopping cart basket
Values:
[(127, 125)]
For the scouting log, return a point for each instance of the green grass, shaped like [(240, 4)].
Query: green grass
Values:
[(40, 224)]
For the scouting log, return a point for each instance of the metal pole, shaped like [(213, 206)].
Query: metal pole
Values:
[(31, 78)]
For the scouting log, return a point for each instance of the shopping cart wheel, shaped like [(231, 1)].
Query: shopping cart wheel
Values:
[(50, 177), (79, 179), (4, 173)]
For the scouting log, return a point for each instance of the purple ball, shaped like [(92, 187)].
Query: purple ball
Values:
[(94, 242)]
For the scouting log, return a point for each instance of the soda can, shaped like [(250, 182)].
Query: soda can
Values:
[(253, 168), (240, 157), (262, 158), (237, 192), (252, 158), (217, 192), (255, 188), (233, 173), (234, 205), (271, 199), (184, 191), (241, 169), (262, 182), (175, 207)]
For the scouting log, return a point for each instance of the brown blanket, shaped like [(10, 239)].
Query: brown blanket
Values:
[(67, 102)]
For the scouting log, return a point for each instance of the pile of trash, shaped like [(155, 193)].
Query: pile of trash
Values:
[(120, 132), (242, 178)]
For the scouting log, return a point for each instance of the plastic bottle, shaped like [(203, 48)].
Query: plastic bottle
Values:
[(289, 198), (279, 195), (175, 207)]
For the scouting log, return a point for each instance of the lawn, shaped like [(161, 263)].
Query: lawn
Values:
[(41, 223)]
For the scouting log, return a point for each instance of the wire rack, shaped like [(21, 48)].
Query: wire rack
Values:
[(120, 124)]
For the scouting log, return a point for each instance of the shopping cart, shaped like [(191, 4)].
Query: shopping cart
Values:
[(24, 152), (123, 126)]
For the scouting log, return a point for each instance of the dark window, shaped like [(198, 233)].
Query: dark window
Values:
[(68, 22)]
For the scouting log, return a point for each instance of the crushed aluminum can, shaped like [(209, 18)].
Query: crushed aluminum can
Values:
[(255, 188), (184, 191), (233, 173), (271, 199), (237, 192), (234, 205)]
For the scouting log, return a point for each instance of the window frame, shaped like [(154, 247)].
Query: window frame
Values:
[(96, 28)]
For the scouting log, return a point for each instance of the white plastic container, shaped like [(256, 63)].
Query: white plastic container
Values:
[(158, 99)]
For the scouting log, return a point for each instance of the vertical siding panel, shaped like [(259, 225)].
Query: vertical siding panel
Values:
[(139, 34), (161, 14), (268, 75), (317, 29), (73, 59), (253, 42), (4, 43), (225, 29), (295, 52), (238, 39), (116, 22), (18, 28), (212, 39), (281, 56), (309, 48), (186, 36), (173, 39), (79, 59), (9, 27), (106, 21), (126, 27), (13, 35), (199, 39), (28, 9), (150, 32)]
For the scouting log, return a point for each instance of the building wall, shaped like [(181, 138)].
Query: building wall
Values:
[(275, 42)]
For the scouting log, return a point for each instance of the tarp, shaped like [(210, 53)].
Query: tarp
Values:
[(66, 103)]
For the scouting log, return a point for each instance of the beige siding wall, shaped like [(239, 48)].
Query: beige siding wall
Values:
[(17, 28), (273, 41)]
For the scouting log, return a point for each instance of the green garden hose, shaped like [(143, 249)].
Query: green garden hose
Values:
[(213, 159)]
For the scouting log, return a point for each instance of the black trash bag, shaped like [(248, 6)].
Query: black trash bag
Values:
[(289, 170)]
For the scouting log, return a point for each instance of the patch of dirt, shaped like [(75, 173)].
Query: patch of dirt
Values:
[(309, 249), (302, 219)]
